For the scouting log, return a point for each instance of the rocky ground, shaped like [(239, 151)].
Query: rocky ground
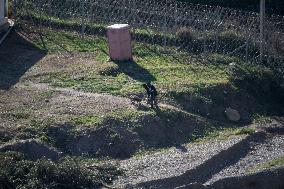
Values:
[(203, 163), (171, 162), (259, 153)]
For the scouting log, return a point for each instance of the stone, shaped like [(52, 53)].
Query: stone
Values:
[(232, 115)]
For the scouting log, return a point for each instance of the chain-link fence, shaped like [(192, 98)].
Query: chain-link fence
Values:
[(175, 26)]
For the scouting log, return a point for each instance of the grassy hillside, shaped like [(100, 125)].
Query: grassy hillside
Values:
[(74, 99)]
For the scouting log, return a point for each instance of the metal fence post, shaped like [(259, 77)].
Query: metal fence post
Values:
[(247, 47), (165, 26), (14, 14), (5, 8), (262, 23), (40, 17), (204, 40), (134, 25), (124, 9), (176, 24), (83, 18)]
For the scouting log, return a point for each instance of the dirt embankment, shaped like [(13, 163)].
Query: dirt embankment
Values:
[(32, 149), (122, 138)]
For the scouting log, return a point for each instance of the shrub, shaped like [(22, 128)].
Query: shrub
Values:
[(276, 40), (261, 82), (184, 34), (232, 39), (68, 172)]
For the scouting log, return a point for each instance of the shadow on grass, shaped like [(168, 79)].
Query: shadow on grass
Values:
[(123, 138), (251, 93), (17, 55), (135, 71)]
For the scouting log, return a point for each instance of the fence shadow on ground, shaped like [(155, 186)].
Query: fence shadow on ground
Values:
[(205, 171), (17, 55)]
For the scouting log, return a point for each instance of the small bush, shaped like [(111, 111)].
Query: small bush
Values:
[(276, 40), (68, 172), (259, 81), (185, 35), (231, 40)]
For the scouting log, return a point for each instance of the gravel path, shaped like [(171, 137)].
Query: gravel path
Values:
[(171, 162), (201, 162), (272, 148)]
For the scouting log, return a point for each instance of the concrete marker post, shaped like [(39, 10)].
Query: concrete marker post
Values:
[(119, 42)]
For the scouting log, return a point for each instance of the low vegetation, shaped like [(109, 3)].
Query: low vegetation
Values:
[(68, 172), (274, 163), (278, 162)]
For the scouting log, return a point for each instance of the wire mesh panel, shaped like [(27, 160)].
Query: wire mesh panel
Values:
[(175, 26)]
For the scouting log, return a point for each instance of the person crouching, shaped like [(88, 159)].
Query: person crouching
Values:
[(151, 94)]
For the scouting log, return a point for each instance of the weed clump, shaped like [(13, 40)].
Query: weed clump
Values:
[(16, 172), (228, 37), (245, 131), (185, 35)]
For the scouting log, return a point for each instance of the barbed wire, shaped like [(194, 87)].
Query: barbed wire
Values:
[(177, 27)]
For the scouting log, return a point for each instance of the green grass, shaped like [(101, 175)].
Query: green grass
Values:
[(244, 131), (121, 115), (181, 72), (16, 115), (274, 163), (212, 133), (221, 133), (87, 120), (59, 41), (278, 162), (47, 94), (262, 120), (178, 75)]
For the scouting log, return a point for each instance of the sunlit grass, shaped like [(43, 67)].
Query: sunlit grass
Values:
[(177, 72)]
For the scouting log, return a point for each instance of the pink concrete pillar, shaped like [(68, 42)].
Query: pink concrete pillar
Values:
[(119, 42)]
